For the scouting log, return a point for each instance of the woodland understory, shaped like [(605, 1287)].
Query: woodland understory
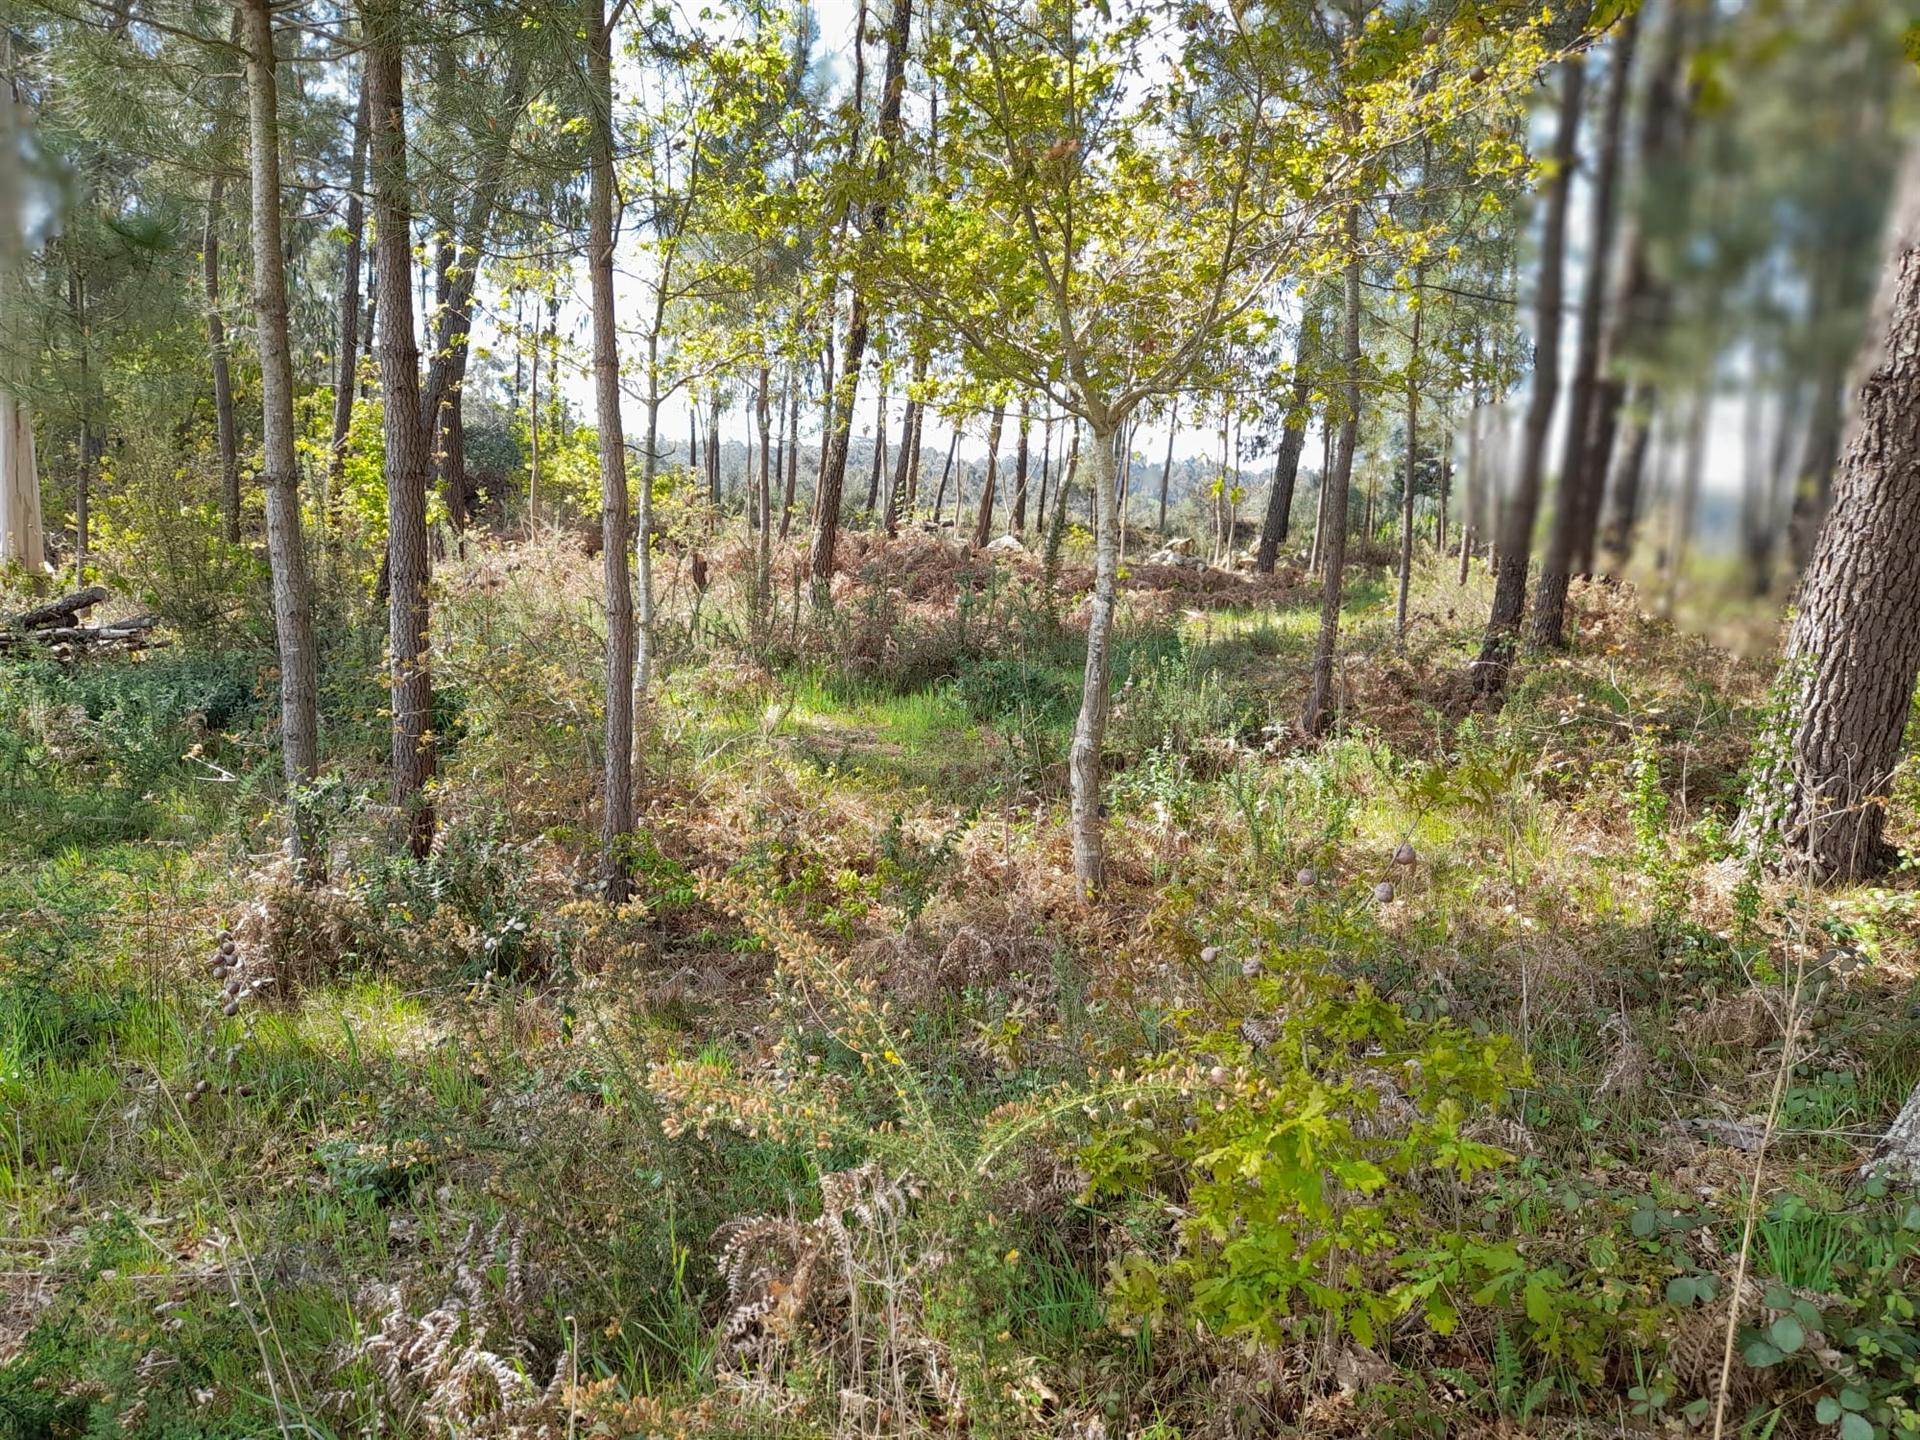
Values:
[(1453, 1076)]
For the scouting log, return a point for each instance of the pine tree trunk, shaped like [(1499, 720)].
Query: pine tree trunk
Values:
[(983, 521), (1317, 714), (1853, 652), (879, 455), (405, 434), (292, 599), (617, 785), (1020, 457), (1574, 511), (1090, 727), (1523, 505), (347, 369), (1286, 464)]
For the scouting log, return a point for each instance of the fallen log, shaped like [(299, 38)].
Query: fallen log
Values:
[(131, 634), (54, 611)]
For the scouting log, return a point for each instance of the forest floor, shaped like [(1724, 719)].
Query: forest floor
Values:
[(860, 1120)]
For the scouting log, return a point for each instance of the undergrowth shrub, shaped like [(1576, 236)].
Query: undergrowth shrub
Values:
[(1276, 1178)]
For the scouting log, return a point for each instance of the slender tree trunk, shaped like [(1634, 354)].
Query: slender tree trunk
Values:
[(1057, 521), (763, 497), (1645, 302), (1413, 464), (793, 459), (643, 524), (406, 436), (946, 471), (983, 521), (617, 784), (1692, 465), (899, 491), (1019, 525), (1575, 510), (1317, 714), (833, 473), (1166, 470), (293, 624), (1090, 727), (919, 427), (1523, 505), (225, 431), (1853, 652), (1286, 464), (1046, 460), (347, 369), (879, 455)]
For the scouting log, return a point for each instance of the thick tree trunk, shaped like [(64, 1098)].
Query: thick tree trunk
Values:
[(1574, 511), (1317, 714), (1090, 727), (1523, 505), (293, 625), (617, 784), (1853, 652), (983, 521), (1286, 464), (826, 532), (348, 366), (406, 436)]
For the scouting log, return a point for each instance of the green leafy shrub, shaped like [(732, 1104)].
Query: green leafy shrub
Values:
[(1293, 1136)]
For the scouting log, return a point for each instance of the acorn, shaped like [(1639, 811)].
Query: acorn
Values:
[(1383, 892), (220, 972), (1432, 37), (227, 947), (1406, 854), (1210, 954), (232, 1007), (1306, 875), (1477, 75), (1218, 1076)]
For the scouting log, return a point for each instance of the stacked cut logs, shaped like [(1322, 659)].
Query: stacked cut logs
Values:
[(57, 627)]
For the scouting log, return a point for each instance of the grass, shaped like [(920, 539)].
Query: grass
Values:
[(472, 1090)]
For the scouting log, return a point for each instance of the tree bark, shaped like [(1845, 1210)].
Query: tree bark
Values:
[(406, 435), (879, 454), (1090, 727), (1019, 523), (1574, 512), (292, 599), (1523, 505), (793, 460), (833, 472), (1317, 714), (1853, 652), (348, 366), (983, 521), (617, 784), (1286, 463), (226, 434), (1413, 465)]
